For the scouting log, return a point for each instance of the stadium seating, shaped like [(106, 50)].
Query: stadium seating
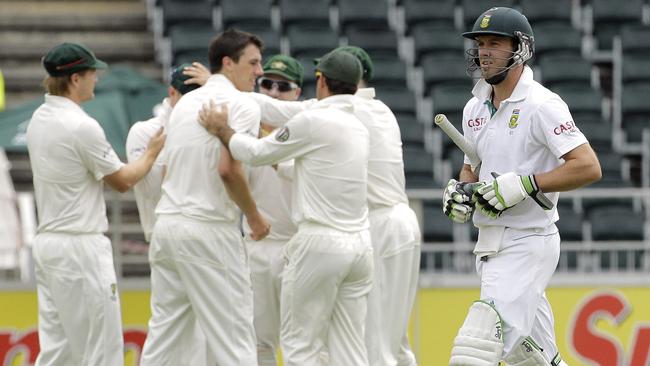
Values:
[(635, 110), (541, 12), (608, 17), (436, 40), (437, 227), (362, 14), (554, 39), (450, 100), (389, 72), (565, 69), (300, 12), (444, 70), (310, 41), (189, 40), (439, 14), (377, 42), (245, 13), (400, 100), (418, 167), (412, 131), (198, 12)]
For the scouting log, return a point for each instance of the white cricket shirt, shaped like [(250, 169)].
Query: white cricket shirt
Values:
[(147, 191), (272, 194), (386, 182), (69, 156), (528, 134), (330, 147), (192, 186)]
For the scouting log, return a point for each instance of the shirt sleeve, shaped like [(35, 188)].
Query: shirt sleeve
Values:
[(137, 142), (244, 116), (277, 112), (95, 151), (285, 170), (288, 142), (556, 129)]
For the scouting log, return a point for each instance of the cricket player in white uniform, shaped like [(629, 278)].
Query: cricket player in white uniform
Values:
[(199, 266), (328, 271), (394, 227), (78, 305), (10, 236), (525, 134), (282, 79), (147, 191)]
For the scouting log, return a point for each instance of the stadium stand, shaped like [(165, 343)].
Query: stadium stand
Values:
[(593, 53)]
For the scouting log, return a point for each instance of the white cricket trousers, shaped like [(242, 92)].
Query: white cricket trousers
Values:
[(325, 286), (199, 272), (395, 236), (79, 320), (266, 258), (516, 279)]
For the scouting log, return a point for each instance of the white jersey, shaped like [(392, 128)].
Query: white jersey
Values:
[(9, 225), (386, 182), (330, 147), (69, 156), (272, 194), (192, 186), (528, 134), (147, 191)]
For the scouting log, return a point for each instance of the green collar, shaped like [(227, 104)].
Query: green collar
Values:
[(491, 107)]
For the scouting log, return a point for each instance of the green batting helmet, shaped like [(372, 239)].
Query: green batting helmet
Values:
[(505, 22)]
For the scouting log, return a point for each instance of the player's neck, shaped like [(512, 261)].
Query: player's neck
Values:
[(504, 89)]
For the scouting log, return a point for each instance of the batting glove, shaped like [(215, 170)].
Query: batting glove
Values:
[(457, 201), (506, 191)]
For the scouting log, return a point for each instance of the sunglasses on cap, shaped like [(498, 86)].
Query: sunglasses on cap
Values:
[(282, 85)]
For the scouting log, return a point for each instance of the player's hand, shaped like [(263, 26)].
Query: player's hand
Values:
[(260, 228), (198, 74), (157, 142), (507, 190), (214, 118), (457, 201)]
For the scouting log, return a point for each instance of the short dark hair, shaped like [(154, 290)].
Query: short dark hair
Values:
[(340, 87), (230, 43)]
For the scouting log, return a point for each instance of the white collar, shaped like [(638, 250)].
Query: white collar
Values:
[(366, 93), (483, 91)]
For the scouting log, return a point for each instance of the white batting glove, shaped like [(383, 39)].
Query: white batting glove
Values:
[(506, 191), (457, 201)]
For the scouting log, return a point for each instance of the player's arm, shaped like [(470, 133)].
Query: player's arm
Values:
[(466, 174), (277, 112), (234, 179), (581, 167), (128, 175)]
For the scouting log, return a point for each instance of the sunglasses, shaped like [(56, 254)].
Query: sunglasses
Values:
[(283, 86)]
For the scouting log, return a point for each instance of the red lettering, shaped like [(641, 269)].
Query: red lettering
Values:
[(11, 345), (641, 347), (586, 340)]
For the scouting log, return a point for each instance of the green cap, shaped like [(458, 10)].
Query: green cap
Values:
[(285, 66), (68, 58), (341, 66), (178, 80), (364, 58)]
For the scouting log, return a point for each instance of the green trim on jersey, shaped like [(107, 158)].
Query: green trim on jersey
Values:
[(491, 107)]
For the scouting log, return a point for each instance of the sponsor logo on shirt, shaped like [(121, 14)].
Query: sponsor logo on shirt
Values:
[(566, 127), (514, 119), (283, 134), (476, 123)]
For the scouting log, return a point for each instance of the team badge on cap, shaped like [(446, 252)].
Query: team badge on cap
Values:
[(485, 22), (283, 134), (278, 65)]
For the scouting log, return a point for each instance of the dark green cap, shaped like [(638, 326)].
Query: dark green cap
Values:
[(285, 66), (178, 80), (341, 66), (364, 58), (68, 58)]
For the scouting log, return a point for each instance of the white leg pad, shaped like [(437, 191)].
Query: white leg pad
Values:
[(480, 340), (528, 353)]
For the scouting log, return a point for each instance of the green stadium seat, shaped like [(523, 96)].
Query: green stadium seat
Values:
[(437, 226), (377, 42), (609, 16), (311, 42), (616, 222), (565, 70), (418, 167), (388, 72), (363, 14), (450, 100), (412, 131), (556, 38), (437, 13), (189, 38), (436, 40), (300, 12), (558, 12), (399, 100), (584, 101), (245, 12), (444, 70), (177, 11)]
